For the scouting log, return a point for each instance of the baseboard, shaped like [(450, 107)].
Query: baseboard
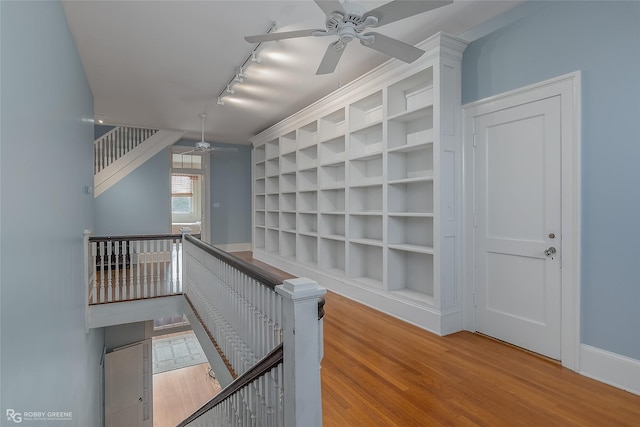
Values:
[(234, 247), (610, 368)]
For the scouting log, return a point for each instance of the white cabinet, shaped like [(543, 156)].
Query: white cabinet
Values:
[(360, 190)]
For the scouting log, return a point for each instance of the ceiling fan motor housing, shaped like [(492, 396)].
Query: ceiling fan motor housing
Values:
[(202, 146)]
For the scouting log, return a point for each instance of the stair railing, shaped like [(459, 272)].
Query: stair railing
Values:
[(116, 143), (248, 314), (126, 268)]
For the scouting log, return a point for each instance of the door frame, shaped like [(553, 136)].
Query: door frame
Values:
[(206, 192), (568, 88)]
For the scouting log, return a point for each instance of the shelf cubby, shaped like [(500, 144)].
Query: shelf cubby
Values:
[(365, 264), (260, 202), (333, 150), (332, 226), (366, 111), (411, 197), (273, 167), (366, 229), (332, 176), (287, 182), (411, 93), (332, 200), (307, 250), (288, 143), (288, 202), (287, 244), (307, 223), (412, 233), (366, 141), (259, 154), (411, 129), (332, 256), (258, 236), (288, 163), (308, 179), (260, 186), (260, 170), (288, 221), (308, 135), (408, 162), (366, 170), (332, 125), (308, 157), (365, 199), (308, 201), (410, 274), (272, 219), (273, 185), (272, 238), (272, 149), (260, 218), (273, 202)]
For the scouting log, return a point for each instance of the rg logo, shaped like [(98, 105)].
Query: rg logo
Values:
[(14, 416)]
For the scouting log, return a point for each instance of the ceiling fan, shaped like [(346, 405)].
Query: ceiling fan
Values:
[(350, 20), (203, 146)]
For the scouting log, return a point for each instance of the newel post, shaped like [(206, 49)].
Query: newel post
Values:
[(303, 349)]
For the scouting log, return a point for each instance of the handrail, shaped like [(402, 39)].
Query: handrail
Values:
[(253, 271), (250, 270), (135, 237), (264, 365)]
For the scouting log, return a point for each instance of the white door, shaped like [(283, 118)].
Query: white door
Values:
[(518, 220), (128, 394)]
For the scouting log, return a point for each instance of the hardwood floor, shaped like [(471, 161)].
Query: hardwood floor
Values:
[(380, 371), (178, 393)]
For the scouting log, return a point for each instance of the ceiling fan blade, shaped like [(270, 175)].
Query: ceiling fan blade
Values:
[(328, 6), (279, 36), (401, 9), (223, 149), (187, 152), (331, 57), (393, 47)]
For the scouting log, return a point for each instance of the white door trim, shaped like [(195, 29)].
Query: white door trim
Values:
[(568, 88)]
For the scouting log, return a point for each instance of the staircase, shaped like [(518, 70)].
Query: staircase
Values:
[(121, 150)]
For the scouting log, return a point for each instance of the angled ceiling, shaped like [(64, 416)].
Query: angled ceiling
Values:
[(160, 64)]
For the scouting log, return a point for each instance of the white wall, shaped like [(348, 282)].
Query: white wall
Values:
[(47, 360)]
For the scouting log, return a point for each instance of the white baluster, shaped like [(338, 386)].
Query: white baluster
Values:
[(138, 254), (94, 277), (145, 284), (131, 282), (149, 263), (116, 255), (109, 278), (159, 287)]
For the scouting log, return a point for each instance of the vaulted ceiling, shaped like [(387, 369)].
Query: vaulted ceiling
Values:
[(160, 64)]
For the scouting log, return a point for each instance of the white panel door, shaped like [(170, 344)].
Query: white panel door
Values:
[(124, 387), (518, 235)]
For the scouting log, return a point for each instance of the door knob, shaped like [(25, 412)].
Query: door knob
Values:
[(550, 251)]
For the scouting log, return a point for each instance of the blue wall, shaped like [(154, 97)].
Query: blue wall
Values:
[(540, 40), (141, 203), (231, 189), (47, 361)]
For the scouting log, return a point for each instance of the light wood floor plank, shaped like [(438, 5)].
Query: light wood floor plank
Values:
[(380, 371)]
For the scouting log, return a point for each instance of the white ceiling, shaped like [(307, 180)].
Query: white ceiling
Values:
[(160, 64)]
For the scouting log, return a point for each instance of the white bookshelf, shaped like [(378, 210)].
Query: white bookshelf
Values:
[(347, 190)]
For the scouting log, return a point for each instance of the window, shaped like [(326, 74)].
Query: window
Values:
[(185, 198)]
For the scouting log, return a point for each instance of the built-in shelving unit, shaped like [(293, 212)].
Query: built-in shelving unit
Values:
[(350, 190)]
